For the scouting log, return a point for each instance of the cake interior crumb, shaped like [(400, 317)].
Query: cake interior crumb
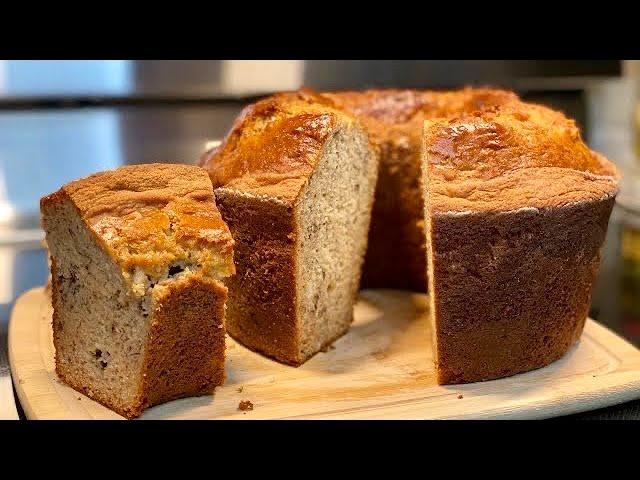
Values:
[(245, 406)]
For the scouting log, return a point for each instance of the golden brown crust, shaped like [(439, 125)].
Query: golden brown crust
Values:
[(394, 118), (518, 207), (276, 164), (151, 215), (384, 108), (513, 181), (262, 305), (186, 344), (293, 126), (515, 156), (274, 145), (258, 173)]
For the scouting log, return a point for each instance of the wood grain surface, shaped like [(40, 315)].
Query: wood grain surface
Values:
[(382, 369)]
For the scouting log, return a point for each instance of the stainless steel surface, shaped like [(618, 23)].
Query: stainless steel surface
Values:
[(48, 80), (139, 79), (518, 74), (43, 149)]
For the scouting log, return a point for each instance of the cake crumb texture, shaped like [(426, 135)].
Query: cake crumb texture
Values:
[(516, 212), (137, 259)]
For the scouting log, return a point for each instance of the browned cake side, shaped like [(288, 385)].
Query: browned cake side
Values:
[(185, 349), (516, 210), (294, 180), (262, 315), (395, 256), (512, 291), (186, 343), (396, 249), (137, 254)]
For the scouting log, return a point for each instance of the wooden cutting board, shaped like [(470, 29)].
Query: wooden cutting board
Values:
[(381, 369)]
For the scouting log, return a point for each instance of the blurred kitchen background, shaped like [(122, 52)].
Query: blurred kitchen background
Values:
[(60, 120)]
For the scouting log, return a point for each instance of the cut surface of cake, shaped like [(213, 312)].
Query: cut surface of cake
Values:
[(295, 181), (516, 210), (394, 118), (138, 257)]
